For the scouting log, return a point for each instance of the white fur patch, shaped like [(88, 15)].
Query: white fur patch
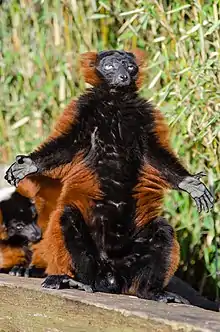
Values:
[(5, 193)]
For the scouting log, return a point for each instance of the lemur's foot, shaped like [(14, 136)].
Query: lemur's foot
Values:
[(64, 281)]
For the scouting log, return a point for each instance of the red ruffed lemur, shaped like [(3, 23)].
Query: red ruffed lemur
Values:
[(112, 158), (18, 229)]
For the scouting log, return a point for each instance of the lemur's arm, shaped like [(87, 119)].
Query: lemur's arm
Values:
[(56, 152), (160, 155)]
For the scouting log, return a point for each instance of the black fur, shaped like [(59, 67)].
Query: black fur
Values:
[(19, 218), (138, 256), (91, 269)]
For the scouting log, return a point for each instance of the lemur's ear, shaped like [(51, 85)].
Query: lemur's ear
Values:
[(140, 56)]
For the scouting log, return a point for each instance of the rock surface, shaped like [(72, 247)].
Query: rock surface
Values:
[(25, 306)]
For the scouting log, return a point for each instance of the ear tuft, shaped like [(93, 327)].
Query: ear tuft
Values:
[(88, 62), (140, 57), (88, 59)]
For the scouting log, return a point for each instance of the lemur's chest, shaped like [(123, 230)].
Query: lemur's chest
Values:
[(113, 142), (115, 129)]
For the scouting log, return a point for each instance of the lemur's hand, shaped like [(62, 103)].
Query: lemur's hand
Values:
[(198, 191), (22, 167)]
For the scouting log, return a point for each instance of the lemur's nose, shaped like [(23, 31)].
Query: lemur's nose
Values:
[(123, 77)]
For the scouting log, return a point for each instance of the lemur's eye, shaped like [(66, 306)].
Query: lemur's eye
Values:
[(130, 67), (19, 227), (108, 66), (109, 275)]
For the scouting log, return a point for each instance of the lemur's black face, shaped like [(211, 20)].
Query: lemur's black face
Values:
[(117, 68), (20, 217), (30, 231)]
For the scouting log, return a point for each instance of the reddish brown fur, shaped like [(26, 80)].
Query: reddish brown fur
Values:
[(174, 261), (10, 256), (45, 193), (37, 259), (87, 64), (3, 232), (140, 57), (80, 186), (149, 193), (53, 249), (162, 130), (28, 188), (151, 187)]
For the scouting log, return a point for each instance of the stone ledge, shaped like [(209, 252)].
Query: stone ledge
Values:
[(141, 315)]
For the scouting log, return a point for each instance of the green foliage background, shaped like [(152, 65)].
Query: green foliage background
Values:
[(40, 42)]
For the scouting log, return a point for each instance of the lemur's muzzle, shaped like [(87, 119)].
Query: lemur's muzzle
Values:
[(122, 78)]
